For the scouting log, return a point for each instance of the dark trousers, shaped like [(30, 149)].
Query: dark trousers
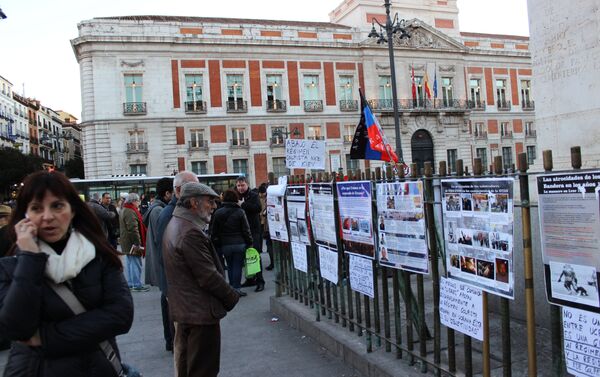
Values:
[(257, 243), (234, 255), (269, 243), (197, 350), (168, 327)]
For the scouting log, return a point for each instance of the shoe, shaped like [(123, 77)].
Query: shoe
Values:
[(269, 267), (248, 283), (143, 288), (169, 347), (260, 287), (241, 293)]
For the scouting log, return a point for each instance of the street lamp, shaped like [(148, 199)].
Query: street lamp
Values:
[(391, 27)]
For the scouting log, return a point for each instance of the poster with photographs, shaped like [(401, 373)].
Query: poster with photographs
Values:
[(276, 218), (401, 226), (322, 214), (569, 209), (478, 232), (296, 209), (356, 218)]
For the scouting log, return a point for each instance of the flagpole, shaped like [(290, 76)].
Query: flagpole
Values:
[(390, 38)]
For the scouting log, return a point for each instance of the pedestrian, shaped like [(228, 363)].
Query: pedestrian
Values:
[(199, 295), (101, 212), (264, 222), (155, 272), (5, 212), (230, 233), (61, 252), (133, 241), (251, 205), (112, 225)]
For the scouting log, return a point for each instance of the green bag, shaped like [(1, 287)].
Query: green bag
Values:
[(252, 262)]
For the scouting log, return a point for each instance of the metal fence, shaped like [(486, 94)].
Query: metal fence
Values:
[(403, 317)]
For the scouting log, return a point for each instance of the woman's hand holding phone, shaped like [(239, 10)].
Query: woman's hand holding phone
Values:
[(27, 235)]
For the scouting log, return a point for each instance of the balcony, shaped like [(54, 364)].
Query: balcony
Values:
[(137, 148), (530, 134), (277, 141), (348, 105), (198, 145), (382, 104), (476, 105), (238, 106), (527, 105), (313, 105), (33, 140), (348, 139), (503, 105), (195, 107), (239, 143), (480, 135), (276, 106), (506, 135), (316, 138), (134, 108)]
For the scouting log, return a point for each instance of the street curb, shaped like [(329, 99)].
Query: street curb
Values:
[(340, 341)]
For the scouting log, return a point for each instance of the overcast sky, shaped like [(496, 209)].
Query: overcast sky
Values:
[(36, 50)]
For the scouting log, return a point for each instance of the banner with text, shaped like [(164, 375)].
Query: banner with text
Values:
[(305, 154)]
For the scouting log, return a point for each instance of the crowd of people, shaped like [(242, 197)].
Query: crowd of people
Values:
[(70, 269)]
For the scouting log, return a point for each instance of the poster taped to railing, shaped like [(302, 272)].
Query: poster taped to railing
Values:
[(299, 256), (361, 275), (276, 218), (461, 307), (296, 209), (581, 334), (570, 232), (401, 226), (304, 154), (478, 232), (328, 264), (356, 218), (322, 214)]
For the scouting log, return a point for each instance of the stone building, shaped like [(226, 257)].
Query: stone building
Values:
[(163, 94)]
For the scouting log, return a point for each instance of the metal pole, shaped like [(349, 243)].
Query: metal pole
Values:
[(390, 42)]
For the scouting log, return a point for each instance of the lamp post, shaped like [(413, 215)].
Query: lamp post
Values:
[(391, 27)]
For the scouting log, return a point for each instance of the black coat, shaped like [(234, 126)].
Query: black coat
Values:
[(69, 342), (229, 226), (251, 206)]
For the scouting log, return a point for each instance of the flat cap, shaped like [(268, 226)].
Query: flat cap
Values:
[(194, 189), (5, 210)]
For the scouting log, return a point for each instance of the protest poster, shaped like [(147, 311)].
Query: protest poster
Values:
[(461, 307), (356, 218), (296, 209), (570, 232), (401, 226), (322, 214), (305, 154), (361, 275), (581, 334), (478, 232), (328, 264), (276, 218), (299, 256)]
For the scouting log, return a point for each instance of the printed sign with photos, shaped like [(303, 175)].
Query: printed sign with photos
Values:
[(401, 226), (296, 209), (276, 218), (569, 208), (478, 232), (322, 214), (356, 218)]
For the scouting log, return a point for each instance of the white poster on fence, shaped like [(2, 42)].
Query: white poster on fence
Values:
[(296, 209), (305, 154), (322, 214), (569, 208), (356, 217), (299, 256), (361, 275), (478, 232), (276, 218), (461, 307), (401, 226), (328, 264), (581, 334)]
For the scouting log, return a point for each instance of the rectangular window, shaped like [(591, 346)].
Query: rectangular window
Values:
[(136, 141), (274, 88), (420, 100), (349, 131), (193, 88), (529, 129), (505, 129), (197, 138), (311, 87), (452, 153), (199, 167), (507, 157), (346, 88), (238, 136), (133, 88), (475, 90), (385, 88), (137, 169), (314, 133), (482, 154), (480, 130), (530, 154), (235, 91), (279, 168), (447, 91), (526, 101), (501, 92), (240, 166), (277, 135), (351, 165)]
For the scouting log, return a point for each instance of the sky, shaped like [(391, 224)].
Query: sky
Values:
[(35, 39)]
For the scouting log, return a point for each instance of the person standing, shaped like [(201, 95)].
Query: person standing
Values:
[(230, 233), (155, 273), (199, 295), (5, 212), (133, 241), (264, 222), (251, 205), (102, 213), (112, 226)]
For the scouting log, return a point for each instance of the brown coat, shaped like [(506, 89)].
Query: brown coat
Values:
[(198, 292)]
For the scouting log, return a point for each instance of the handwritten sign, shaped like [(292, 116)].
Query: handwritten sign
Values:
[(581, 331), (361, 275), (461, 307), (305, 154), (328, 264), (299, 255)]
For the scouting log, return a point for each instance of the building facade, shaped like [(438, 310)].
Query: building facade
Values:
[(162, 94)]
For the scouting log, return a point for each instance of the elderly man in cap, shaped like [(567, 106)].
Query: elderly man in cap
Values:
[(199, 295)]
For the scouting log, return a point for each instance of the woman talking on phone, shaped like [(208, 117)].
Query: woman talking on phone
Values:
[(63, 297)]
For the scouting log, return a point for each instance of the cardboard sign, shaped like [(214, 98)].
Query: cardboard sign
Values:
[(361, 275), (461, 307), (304, 154), (299, 256), (581, 332)]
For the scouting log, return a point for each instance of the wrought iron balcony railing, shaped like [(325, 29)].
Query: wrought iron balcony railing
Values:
[(195, 107), (137, 147), (348, 105), (239, 143), (134, 108), (348, 139), (313, 105), (481, 135), (503, 105), (381, 104), (476, 105), (316, 138), (277, 141), (276, 106), (506, 135), (198, 145), (530, 133), (528, 105), (238, 106)]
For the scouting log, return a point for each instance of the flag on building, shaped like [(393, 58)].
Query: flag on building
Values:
[(435, 84), (369, 142), (426, 85), (414, 86)]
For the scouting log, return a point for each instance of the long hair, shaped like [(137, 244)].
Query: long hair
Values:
[(35, 187)]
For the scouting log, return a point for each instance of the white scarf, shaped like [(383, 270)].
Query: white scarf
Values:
[(78, 252)]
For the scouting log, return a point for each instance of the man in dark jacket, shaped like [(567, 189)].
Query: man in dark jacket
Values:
[(250, 203), (112, 226), (102, 213), (199, 295)]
